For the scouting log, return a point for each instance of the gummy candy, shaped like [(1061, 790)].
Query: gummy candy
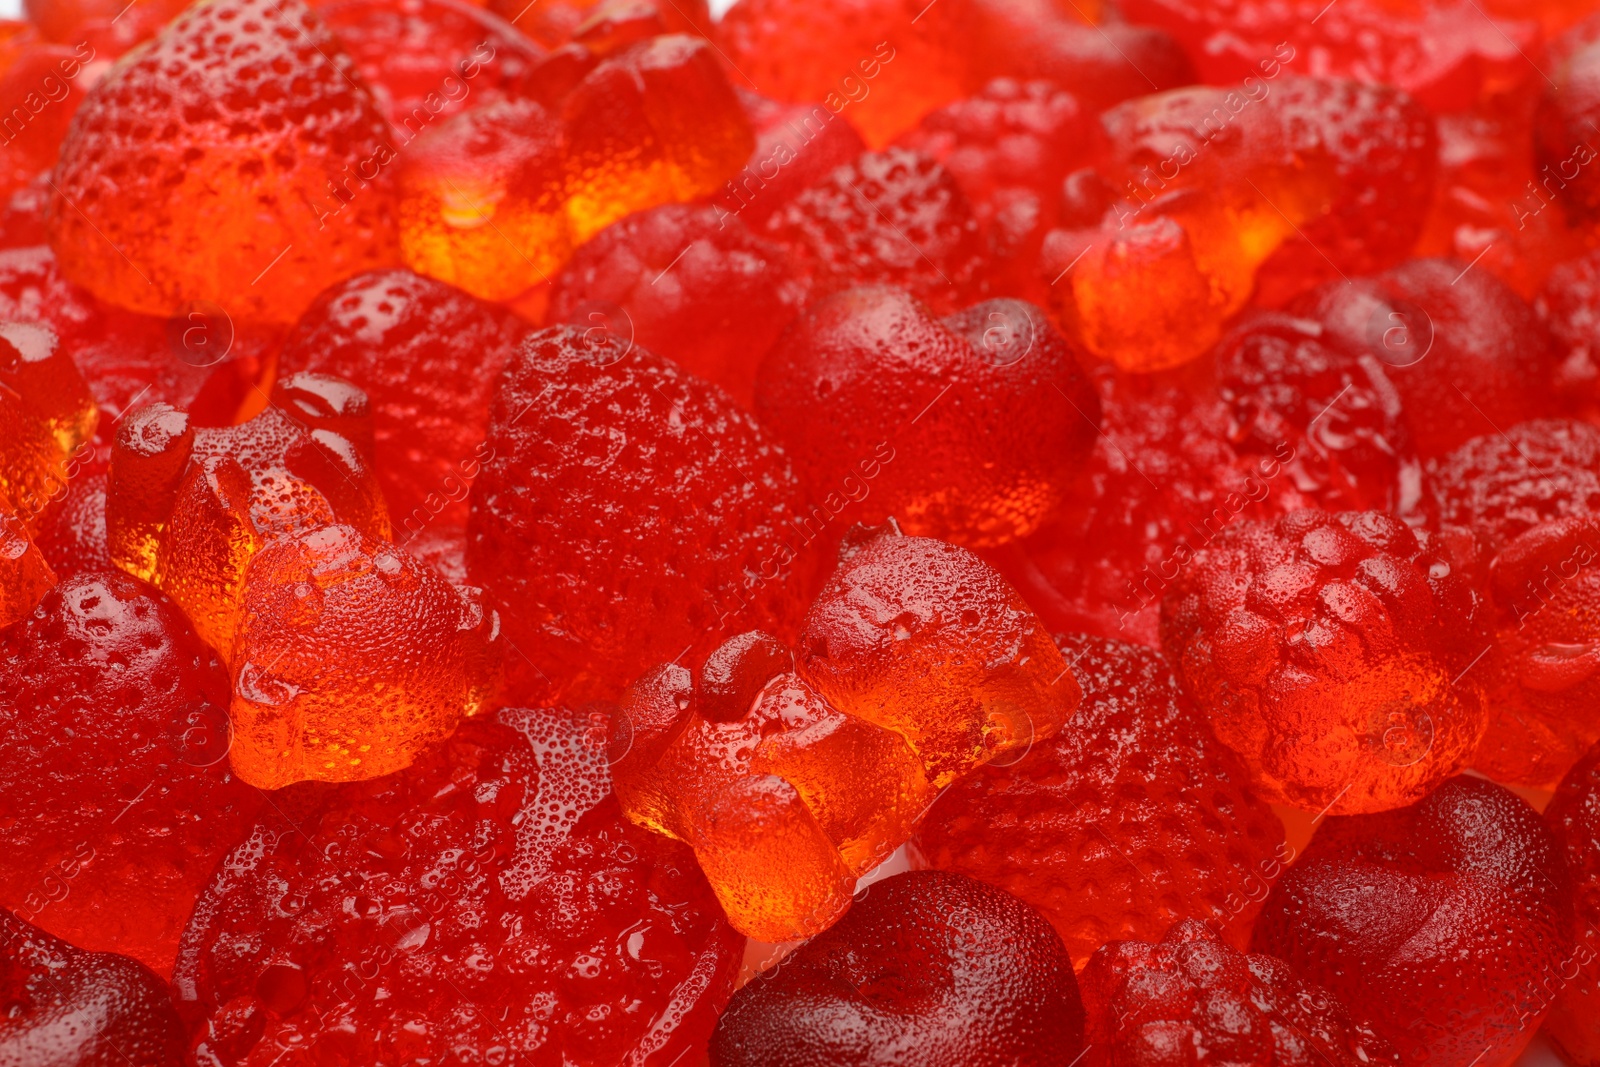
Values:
[(73, 537), (111, 700), (1569, 305), (797, 146), (972, 428), (1563, 128), (350, 658), (489, 901), (46, 416), (71, 1008), (248, 115), (427, 355), (25, 573), (1129, 819), (1574, 818), (689, 282), (553, 23), (928, 967), (41, 85), (1191, 994), (627, 514), (1330, 651), (1430, 921)]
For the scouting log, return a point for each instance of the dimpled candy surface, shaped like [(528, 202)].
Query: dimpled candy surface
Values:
[(689, 282), (1193, 998), (924, 638), (1574, 818), (427, 355), (1501, 485), (1434, 921), (894, 217), (1325, 649), (351, 657), (927, 967), (797, 145), (488, 902), (971, 428), (25, 573), (1129, 819), (73, 538), (110, 699), (70, 1008), (237, 148), (628, 513)]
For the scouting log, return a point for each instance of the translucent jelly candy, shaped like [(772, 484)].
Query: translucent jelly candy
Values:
[(1466, 354), (1130, 818), (1569, 304), (1564, 140), (46, 416), (70, 1008), (25, 574), (73, 537), (1430, 920), (689, 282), (1193, 998), (857, 390), (1501, 485), (891, 218), (928, 967), (1574, 818), (427, 355), (350, 658), (111, 700), (656, 122), (797, 145), (248, 114), (1327, 650), (785, 800), (924, 638), (553, 23), (112, 27), (628, 514), (488, 902), (41, 85), (483, 200)]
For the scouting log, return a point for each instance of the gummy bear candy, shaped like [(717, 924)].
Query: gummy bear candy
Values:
[(689, 282), (1330, 651), (69, 1008), (629, 512), (1193, 998), (1129, 819), (1430, 920), (924, 638), (928, 967), (489, 901), (785, 800), (1574, 818), (110, 699), (46, 416), (249, 115), (427, 355), (972, 428)]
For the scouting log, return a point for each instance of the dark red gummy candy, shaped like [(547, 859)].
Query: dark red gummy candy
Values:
[(489, 904), (1574, 817), (928, 968)]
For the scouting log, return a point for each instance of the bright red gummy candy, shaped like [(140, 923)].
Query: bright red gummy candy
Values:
[(629, 513), (1193, 998), (488, 903), (72, 536), (1574, 818), (110, 699), (689, 282), (1431, 921), (927, 967), (970, 428), (69, 1008), (1129, 819), (797, 145), (1501, 485), (1569, 304), (428, 356), (1563, 127)]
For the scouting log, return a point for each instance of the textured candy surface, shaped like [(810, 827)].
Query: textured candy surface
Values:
[(489, 901), (1129, 819), (25, 573), (797, 145), (1434, 921), (46, 416), (110, 699), (1574, 818), (928, 967), (1501, 485)]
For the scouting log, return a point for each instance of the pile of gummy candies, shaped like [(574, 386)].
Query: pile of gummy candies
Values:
[(947, 533)]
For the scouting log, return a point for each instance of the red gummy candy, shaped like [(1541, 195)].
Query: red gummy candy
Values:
[(971, 429), (1503, 484), (928, 968), (73, 536), (1574, 818), (1129, 819), (1430, 920), (41, 85), (111, 700), (69, 1008), (1327, 649), (428, 356), (797, 146), (553, 23), (1193, 998), (488, 903), (629, 513), (1569, 304), (688, 282), (1563, 127)]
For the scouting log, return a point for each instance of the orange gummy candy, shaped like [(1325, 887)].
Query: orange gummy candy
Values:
[(47, 416)]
